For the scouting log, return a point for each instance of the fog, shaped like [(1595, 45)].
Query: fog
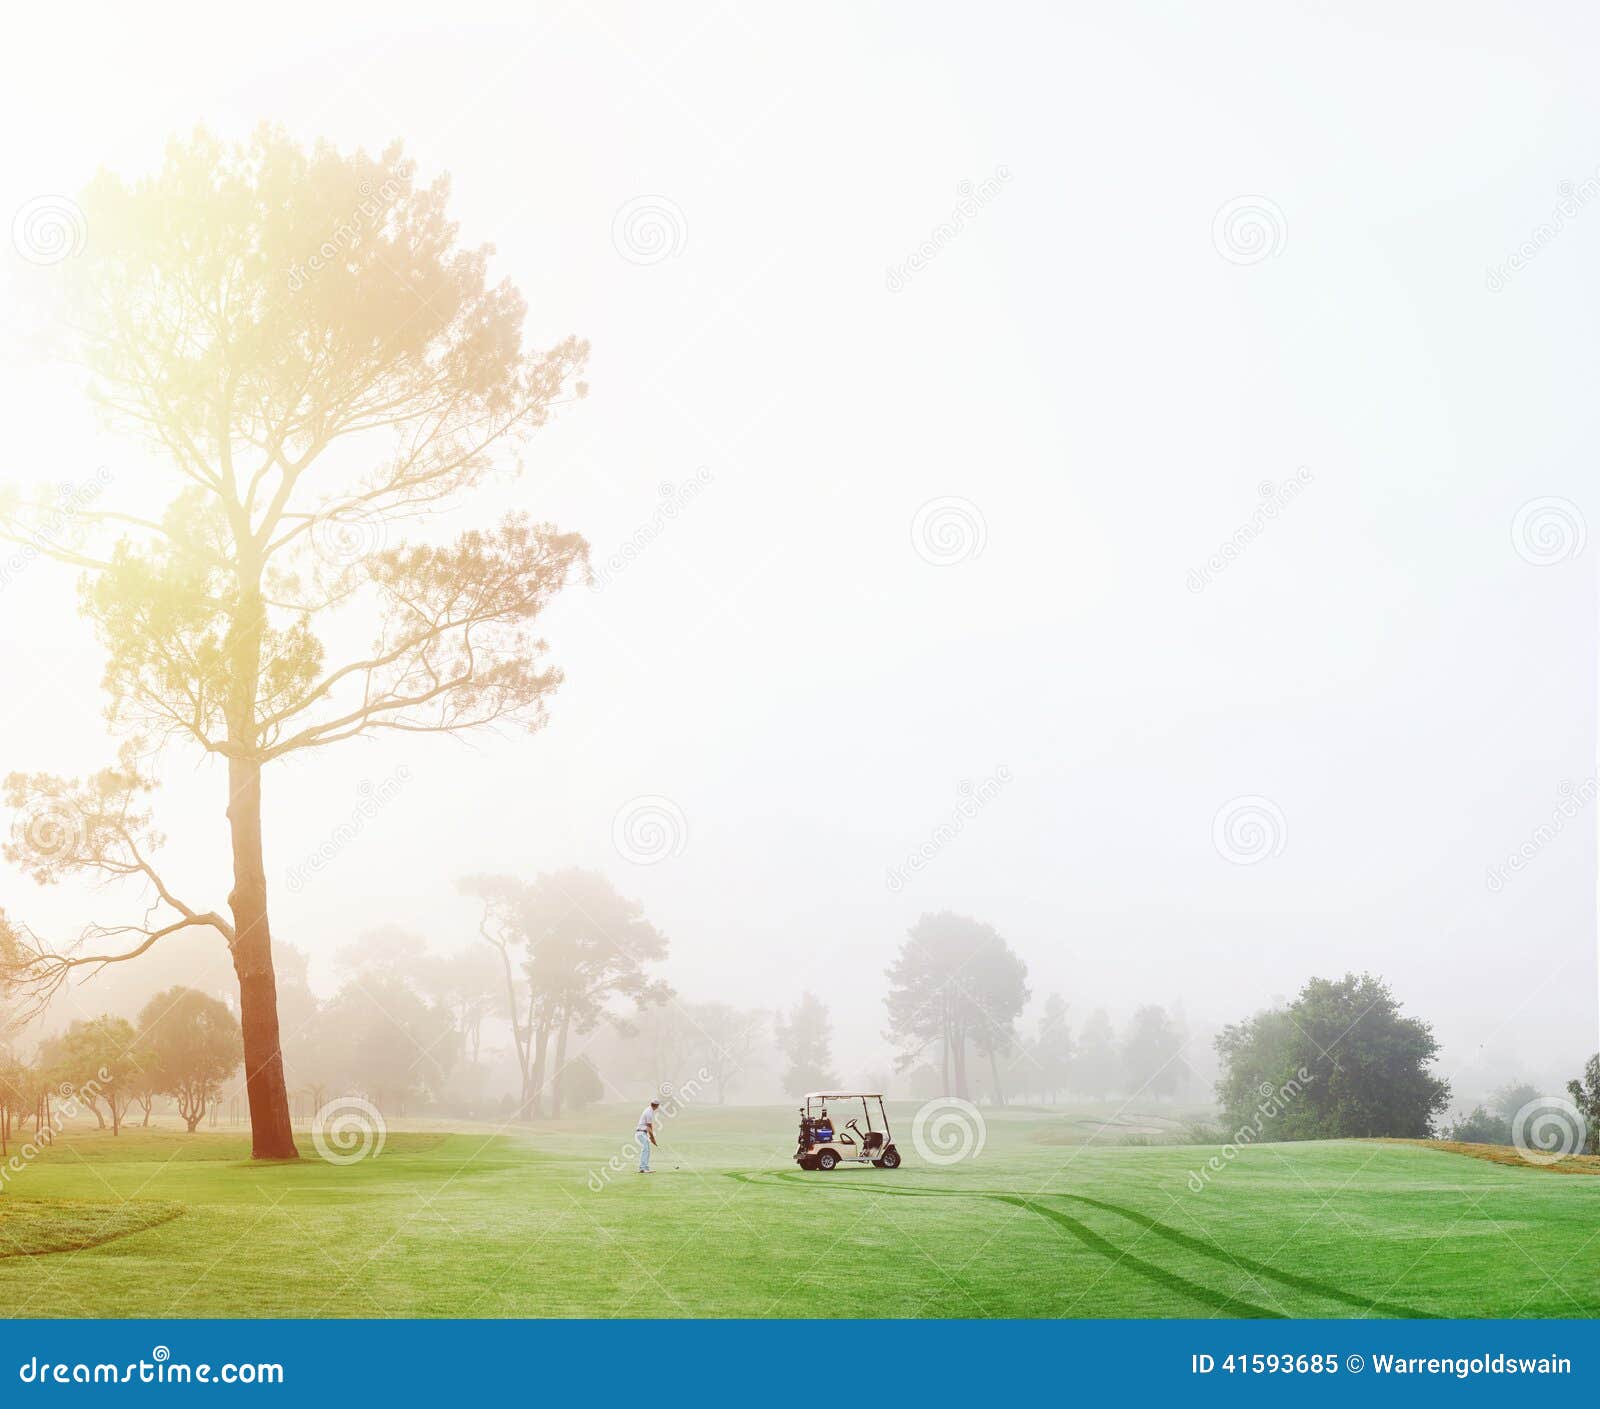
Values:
[(1086, 471)]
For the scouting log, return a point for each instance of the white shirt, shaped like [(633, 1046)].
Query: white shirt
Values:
[(647, 1118)]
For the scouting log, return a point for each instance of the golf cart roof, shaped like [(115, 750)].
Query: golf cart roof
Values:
[(844, 1095)]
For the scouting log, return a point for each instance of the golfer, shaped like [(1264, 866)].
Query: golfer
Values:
[(646, 1133)]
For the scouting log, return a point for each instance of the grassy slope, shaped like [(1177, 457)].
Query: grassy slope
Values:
[(480, 1224)]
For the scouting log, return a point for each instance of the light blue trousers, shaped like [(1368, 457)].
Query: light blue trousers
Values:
[(644, 1152)]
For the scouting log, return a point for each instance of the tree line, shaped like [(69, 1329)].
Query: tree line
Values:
[(184, 1045), (956, 994)]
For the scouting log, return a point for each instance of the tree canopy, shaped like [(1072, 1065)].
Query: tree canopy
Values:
[(297, 337), (955, 982), (805, 1036), (1338, 1061)]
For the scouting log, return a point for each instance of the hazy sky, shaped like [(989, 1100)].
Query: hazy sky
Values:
[(1198, 258)]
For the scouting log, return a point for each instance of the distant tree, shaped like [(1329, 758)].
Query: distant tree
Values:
[(999, 985), (379, 1038), (389, 950), (13, 970), (298, 337), (1152, 1061), (587, 945), (723, 1041), (506, 923), (467, 983), (582, 1083), (18, 1096), (1480, 1127), (1052, 1049), (1339, 1061), (298, 1010), (1507, 1100), (1585, 1093), (96, 1059), (805, 1038), (1097, 1064), (189, 1046), (954, 981)]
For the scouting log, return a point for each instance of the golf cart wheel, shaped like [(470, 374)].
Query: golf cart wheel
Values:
[(890, 1159), (826, 1160)]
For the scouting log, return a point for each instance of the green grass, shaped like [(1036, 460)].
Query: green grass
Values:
[(1047, 1221)]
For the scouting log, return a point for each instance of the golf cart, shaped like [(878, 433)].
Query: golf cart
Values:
[(825, 1143)]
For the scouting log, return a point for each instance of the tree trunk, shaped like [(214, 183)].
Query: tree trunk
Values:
[(559, 1080), (533, 1107), (994, 1071), (959, 1055), (271, 1132), (944, 1056)]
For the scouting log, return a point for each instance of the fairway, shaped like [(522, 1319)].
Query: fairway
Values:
[(1047, 1221)]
